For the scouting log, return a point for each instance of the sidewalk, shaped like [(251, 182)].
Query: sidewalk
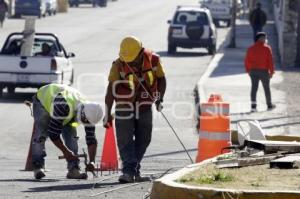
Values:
[(226, 76)]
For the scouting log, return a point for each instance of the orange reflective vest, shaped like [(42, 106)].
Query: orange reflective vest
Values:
[(129, 89)]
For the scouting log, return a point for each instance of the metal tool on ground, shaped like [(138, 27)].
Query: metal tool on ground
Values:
[(83, 155), (164, 116)]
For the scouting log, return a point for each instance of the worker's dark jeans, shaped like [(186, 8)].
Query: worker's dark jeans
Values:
[(133, 136), (41, 120), (263, 76)]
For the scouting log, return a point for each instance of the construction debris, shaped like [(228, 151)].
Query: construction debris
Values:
[(279, 154), (292, 161), (273, 146)]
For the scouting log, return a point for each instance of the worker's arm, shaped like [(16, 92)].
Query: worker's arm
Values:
[(69, 155), (161, 87), (91, 141), (60, 112), (113, 78), (109, 100)]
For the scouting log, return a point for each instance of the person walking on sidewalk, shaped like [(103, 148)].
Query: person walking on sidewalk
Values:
[(258, 19), (58, 109), (136, 81), (259, 65), (3, 10)]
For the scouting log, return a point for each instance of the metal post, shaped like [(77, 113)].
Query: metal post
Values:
[(297, 64), (232, 43), (10, 8)]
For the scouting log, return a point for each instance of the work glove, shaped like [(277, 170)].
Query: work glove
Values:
[(90, 167), (107, 120), (158, 104)]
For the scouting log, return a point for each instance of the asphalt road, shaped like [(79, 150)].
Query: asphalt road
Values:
[(94, 36)]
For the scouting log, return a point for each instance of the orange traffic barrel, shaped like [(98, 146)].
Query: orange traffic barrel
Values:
[(214, 131)]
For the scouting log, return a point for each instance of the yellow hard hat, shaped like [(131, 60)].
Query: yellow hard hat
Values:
[(130, 48)]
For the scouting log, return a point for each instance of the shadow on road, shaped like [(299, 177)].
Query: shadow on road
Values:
[(15, 98), (29, 180), (71, 187), (181, 54)]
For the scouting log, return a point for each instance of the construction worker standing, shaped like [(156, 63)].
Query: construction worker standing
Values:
[(259, 65), (136, 81), (57, 109)]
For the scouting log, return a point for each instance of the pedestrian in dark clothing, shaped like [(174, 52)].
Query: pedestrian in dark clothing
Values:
[(3, 10), (259, 65), (258, 19)]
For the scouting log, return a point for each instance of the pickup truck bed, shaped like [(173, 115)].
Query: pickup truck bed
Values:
[(38, 69)]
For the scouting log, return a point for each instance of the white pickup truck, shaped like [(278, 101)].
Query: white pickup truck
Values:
[(48, 63)]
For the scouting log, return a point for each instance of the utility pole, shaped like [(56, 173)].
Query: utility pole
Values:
[(297, 64), (232, 43)]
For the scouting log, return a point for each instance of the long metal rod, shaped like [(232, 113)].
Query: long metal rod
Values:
[(173, 130), (164, 116), (119, 188), (129, 185)]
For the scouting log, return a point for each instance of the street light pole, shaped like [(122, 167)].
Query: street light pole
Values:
[(297, 64), (232, 43)]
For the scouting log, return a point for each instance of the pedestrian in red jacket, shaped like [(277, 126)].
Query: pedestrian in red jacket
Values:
[(259, 65)]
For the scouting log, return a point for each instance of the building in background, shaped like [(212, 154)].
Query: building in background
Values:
[(285, 14)]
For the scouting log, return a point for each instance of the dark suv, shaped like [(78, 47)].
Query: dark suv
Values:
[(76, 3), (192, 27)]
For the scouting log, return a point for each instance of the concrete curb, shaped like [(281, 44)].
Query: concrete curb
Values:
[(167, 187)]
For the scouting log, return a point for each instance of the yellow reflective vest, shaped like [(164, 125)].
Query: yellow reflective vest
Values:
[(47, 94)]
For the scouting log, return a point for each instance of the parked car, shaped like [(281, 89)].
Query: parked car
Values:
[(51, 7), (30, 7), (76, 3), (221, 10), (192, 27), (42, 67)]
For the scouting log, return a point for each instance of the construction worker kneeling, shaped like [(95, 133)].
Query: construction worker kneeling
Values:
[(58, 109)]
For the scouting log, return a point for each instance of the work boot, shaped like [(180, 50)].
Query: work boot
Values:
[(270, 107), (126, 178), (139, 178), (75, 174), (38, 174)]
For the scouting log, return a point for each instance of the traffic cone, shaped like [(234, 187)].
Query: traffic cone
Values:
[(28, 166), (109, 160)]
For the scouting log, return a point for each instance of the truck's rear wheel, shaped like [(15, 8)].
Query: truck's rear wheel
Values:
[(11, 90)]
